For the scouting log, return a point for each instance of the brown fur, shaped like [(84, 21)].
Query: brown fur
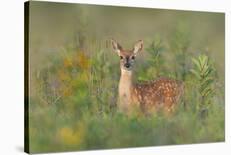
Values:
[(163, 92)]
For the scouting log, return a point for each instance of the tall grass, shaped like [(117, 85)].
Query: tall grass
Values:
[(75, 108)]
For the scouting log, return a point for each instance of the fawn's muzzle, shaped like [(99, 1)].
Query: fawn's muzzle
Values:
[(127, 65)]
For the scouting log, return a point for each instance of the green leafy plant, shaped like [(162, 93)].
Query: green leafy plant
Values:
[(155, 49), (204, 73), (179, 44), (154, 62)]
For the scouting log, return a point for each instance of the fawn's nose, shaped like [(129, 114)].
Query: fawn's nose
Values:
[(127, 65)]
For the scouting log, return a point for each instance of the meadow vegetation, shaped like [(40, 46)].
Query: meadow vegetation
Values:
[(74, 91)]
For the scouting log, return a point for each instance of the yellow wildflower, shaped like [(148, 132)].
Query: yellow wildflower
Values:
[(71, 136)]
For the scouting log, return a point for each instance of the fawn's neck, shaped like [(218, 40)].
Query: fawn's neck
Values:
[(125, 88)]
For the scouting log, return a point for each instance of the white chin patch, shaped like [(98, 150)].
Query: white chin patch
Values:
[(126, 70)]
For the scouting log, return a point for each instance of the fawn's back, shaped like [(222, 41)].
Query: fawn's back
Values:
[(162, 92)]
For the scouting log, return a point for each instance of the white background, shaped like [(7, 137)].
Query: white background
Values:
[(11, 76)]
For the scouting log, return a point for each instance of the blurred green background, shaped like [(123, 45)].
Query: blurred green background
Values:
[(74, 76)]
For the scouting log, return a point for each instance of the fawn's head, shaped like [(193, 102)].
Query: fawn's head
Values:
[(127, 57)]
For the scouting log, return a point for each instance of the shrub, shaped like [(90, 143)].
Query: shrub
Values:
[(204, 74)]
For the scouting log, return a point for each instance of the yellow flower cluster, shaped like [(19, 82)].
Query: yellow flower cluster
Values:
[(70, 136), (79, 60), (83, 61)]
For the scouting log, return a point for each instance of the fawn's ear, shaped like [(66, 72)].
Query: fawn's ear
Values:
[(116, 46), (138, 46)]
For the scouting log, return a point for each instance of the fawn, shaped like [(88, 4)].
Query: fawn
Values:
[(162, 93)]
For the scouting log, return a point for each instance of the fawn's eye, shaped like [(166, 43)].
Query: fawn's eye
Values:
[(121, 57), (133, 57)]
